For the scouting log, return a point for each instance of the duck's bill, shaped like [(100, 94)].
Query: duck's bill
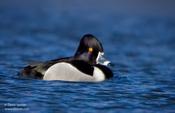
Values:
[(102, 60)]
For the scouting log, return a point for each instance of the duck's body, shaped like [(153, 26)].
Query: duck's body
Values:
[(86, 65), (75, 72)]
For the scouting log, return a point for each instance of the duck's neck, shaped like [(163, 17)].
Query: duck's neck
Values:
[(86, 57)]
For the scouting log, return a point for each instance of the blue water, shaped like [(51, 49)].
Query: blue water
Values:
[(141, 49)]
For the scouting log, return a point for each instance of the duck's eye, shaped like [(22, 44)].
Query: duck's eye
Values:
[(90, 50)]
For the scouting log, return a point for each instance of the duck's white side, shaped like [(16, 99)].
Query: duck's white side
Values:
[(67, 72)]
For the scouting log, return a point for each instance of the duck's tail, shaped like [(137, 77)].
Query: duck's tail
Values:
[(31, 72)]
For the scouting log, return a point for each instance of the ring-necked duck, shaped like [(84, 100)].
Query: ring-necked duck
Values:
[(88, 64)]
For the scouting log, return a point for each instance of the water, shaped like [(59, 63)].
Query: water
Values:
[(141, 48)]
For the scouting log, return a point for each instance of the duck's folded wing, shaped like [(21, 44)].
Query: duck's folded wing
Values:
[(38, 69)]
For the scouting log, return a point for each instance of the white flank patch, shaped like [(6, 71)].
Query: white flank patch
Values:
[(67, 72), (98, 74)]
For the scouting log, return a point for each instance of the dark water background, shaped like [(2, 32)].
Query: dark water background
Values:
[(142, 49)]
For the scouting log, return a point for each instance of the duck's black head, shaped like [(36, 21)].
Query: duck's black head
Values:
[(90, 50)]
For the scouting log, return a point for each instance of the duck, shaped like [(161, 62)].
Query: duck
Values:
[(88, 64)]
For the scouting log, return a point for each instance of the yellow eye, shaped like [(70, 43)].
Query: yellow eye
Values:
[(90, 49)]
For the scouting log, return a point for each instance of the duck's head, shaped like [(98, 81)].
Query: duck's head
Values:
[(91, 50)]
